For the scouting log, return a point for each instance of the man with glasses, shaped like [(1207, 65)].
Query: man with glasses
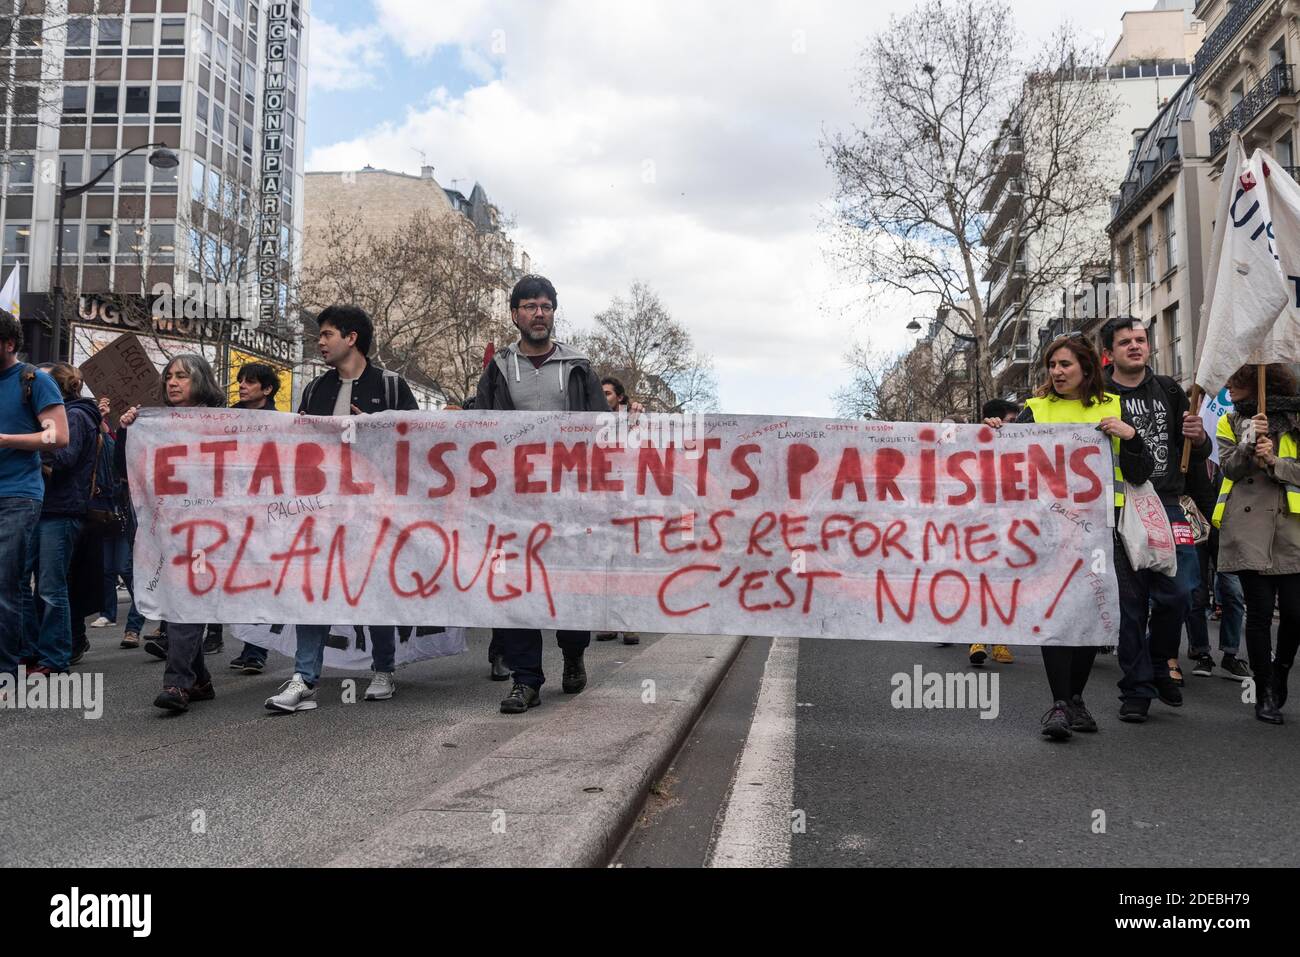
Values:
[(537, 374)]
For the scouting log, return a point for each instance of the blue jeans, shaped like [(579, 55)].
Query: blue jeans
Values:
[(117, 563), (1148, 598), (1228, 593), (310, 655), (18, 518), (47, 616)]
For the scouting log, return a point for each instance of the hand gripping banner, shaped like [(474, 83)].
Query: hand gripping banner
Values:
[(703, 525)]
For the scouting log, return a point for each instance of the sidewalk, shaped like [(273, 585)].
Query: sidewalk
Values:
[(411, 781)]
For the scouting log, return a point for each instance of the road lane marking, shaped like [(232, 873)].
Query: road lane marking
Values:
[(755, 830)]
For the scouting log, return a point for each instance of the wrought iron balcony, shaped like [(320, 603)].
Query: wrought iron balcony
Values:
[(1275, 84), (1009, 359), (1217, 42)]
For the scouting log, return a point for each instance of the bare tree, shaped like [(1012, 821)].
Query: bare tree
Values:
[(638, 342), (435, 289), (929, 383), (942, 86)]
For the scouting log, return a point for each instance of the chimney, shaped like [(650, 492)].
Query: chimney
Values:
[(426, 172)]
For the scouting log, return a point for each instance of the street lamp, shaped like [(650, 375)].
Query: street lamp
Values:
[(915, 326), (160, 158)]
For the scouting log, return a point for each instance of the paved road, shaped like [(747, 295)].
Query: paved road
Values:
[(823, 748), (273, 790)]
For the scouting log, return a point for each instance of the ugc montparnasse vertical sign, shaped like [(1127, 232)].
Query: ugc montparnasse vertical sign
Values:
[(273, 102)]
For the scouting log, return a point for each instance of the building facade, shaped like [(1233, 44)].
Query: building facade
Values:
[(220, 83), (1147, 68), (1161, 222)]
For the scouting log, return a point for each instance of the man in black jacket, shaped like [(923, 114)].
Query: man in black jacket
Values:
[(1158, 409), (550, 378), (353, 386)]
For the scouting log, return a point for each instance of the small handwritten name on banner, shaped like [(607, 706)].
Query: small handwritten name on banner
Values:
[(702, 525)]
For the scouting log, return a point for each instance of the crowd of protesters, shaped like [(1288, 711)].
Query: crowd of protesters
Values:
[(69, 526)]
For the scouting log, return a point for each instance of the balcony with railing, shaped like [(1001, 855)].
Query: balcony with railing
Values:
[(1004, 212), (1007, 159), (1007, 320), (1217, 42), (1276, 83), (1007, 283), (1013, 358)]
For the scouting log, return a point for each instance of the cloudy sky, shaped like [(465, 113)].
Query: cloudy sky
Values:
[(671, 142)]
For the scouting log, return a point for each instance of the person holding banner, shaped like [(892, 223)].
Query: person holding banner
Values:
[(1073, 390), (1161, 412), (188, 383), (554, 378), (352, 386), (1258, 517), (258, 384), (617, 397)]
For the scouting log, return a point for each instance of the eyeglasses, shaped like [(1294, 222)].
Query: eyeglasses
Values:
[(532, 308)]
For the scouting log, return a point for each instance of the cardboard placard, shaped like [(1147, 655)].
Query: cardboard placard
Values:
[(123, 371)]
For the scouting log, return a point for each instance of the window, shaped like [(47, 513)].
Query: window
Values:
[(142, 35), (204, 105), (1171, 235), (134, 168), (16, 239), (223, 53), (162, 242), (1175, 341), (173, 33), (29, 37), (79, 34), (214, 188), (1277, 53), (169, 100), (137, 99), (71, 243), (70, 167), (105, 100), (74, 100), (205, 41), (98, 163), (250, 80), (24, 100), (110, 33), (1130, 272), (130, 242), (218, 123), (20, 171), (99, 242), (1236, 95), (198, 177), (1285, 152), (1148, 252)]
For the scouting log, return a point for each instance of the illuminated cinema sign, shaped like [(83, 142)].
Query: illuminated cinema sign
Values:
[(272, 172)]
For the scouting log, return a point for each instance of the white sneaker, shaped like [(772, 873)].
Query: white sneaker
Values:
[(294, 696), (381, 687), (101, 622)]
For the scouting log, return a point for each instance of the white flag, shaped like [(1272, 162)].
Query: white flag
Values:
[(9, 295), (1253, 285)]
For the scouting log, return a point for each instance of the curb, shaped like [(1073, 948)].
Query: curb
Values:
[(565, 791)]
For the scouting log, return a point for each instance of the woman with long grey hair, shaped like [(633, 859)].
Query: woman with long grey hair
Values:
[(188, 382)]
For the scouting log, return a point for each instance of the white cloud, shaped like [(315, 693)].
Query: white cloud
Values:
[(343, 60), (673, 142)]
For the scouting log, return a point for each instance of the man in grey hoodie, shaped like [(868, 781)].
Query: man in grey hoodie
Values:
[(537, 374)]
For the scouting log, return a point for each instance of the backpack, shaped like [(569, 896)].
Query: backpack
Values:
[(390, 390)]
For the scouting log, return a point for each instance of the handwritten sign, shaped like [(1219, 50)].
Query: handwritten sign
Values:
[(123, 371), (709, 525)]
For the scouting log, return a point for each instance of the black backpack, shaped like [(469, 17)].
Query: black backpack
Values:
[(390, 390)]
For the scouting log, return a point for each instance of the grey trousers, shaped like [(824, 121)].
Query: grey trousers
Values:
[(185, 667)]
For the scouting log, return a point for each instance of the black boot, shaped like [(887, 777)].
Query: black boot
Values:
[(499, 670), (1277, 683), (574, 678), (1266, 707)]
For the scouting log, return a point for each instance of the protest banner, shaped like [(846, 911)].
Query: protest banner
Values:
[(702, 525), (1213, 408), (348, 646), (123, 371)]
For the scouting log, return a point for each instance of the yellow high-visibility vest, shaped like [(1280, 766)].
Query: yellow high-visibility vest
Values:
[(1287, 449), (1055, 409)]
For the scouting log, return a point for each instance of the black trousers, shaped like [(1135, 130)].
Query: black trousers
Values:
[(522, 648), (1263, 593), (1067, 670)]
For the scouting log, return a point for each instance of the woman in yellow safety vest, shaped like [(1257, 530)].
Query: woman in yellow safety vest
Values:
[(1258, 517), (1073, 390)]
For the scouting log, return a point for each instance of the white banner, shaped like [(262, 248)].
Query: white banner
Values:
[(710, 525), (1253, 284), (348, 646), (1213, 408)]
